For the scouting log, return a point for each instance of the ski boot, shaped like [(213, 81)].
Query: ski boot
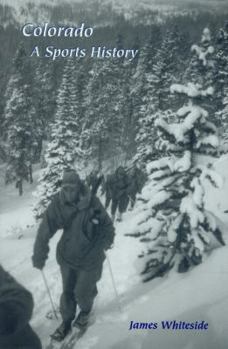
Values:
[(82, 320), (62, 331)]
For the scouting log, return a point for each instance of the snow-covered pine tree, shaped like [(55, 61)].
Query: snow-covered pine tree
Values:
[(84, 65), (202, 64), (45, 102), (95, 126), (115, 112), (20, 123), (139, 89), (202, 69), (104, 110), (174, 222), (166, 69), (128, 132), (155, 92), (64, 147)]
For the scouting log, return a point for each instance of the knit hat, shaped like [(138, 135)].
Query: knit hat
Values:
[(71, 178)]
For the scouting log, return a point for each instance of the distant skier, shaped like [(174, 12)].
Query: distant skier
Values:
[(137, 179), (94, 180), (87, 233), (16, 305), (119, 188)]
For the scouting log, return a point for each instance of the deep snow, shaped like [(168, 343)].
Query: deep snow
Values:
[(201, 294)]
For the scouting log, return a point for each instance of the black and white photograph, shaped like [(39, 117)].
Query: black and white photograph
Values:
[(113, 174)]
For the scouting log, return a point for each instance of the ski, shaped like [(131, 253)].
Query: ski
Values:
[(70, 340), (75, 334)]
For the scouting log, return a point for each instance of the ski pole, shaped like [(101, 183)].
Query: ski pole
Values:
[(49, 294), (114, 284)]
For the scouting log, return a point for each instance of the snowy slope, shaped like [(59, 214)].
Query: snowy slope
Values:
[(200, 294)]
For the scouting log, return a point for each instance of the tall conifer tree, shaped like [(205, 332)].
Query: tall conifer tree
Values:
[(64, 149), (173, 219), (20, 123)]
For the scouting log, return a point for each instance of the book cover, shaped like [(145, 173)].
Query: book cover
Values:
[(113, 141)]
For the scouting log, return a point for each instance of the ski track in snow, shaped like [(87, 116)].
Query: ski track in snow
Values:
[(201, 294)]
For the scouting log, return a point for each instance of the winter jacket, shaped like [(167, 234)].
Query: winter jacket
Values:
[(87, 232), (16, 305), (118, 187)]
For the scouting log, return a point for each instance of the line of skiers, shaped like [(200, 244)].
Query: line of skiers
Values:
[(88, 232), (120, 188)]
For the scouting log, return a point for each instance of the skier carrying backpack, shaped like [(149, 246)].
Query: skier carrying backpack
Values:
[(87, 232)]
